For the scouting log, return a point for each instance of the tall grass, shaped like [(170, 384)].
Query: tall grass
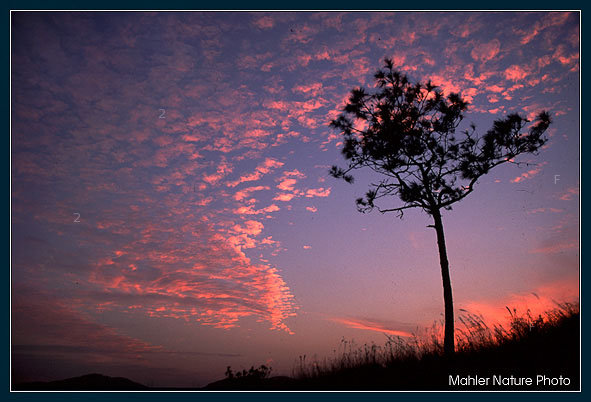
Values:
[(473, 336)]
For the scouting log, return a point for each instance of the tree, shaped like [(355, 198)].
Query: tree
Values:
[(407, 133)]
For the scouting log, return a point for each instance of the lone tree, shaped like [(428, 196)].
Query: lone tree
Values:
[(407, 134)]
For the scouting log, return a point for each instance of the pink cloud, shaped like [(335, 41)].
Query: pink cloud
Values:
[(543, 210), (264, 22), (556, 248), (245, 237), (222, 170), (569, 194), (251, 228), (529, 174), (244, 193), (210, 280), (294, 173), (560, 55), (284, 197), (267, 166), (313, 90), (287, 184), (302, 33), (515, 73), (446, 84), (249, 210), (549, 20), (287, 181), (486, 51), (318, 192), (495, 88), (370, 325), (269, 241), (271, 208)]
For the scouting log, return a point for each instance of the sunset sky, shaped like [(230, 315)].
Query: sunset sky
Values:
[(172, 212)]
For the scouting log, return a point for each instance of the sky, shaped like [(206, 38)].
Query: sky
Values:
[(172, 212)]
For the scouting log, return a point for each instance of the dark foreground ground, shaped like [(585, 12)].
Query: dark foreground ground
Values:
[(546, 353)]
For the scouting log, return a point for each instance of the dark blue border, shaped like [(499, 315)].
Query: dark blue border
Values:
[(272, 396)]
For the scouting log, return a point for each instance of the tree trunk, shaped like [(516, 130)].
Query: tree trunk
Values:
[(448, 343)]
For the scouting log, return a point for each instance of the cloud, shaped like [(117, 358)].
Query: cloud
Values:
[(556, 248), (294, 173), (249, 210), (287, 184), (515, 73), (547, 21), (44, 325), (371, 325), (264, 22), (222, 170), (495, 88), (567, 59), (569, 194), (265, 167), (301, 33), (250, 228), (284, 197), (244, 193), (318, 192), (486, 51), (447, 84), (529, 174), (542, 210), (312, 90), (209, 280)]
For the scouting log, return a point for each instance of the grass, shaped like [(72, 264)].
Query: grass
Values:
[(544, 345), (529, 346)]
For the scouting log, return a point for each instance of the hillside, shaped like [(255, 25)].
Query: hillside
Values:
[(533, 354), (89, 382)]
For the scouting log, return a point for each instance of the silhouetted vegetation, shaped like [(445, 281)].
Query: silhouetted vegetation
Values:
[(544, 345), (406, 133), (258, 373), (253, 379)]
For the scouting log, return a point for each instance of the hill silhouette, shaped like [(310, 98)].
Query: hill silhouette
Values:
[(89, 382)]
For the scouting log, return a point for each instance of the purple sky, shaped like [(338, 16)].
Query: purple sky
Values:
[(193, 151)]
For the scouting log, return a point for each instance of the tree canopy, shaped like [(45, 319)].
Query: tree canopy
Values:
[(409, 134)]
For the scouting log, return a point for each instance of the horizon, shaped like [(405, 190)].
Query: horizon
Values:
[(172, 212)]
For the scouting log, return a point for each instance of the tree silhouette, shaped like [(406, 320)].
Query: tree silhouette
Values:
[(407, 133)]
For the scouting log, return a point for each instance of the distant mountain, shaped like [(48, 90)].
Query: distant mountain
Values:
[(89, 382)]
